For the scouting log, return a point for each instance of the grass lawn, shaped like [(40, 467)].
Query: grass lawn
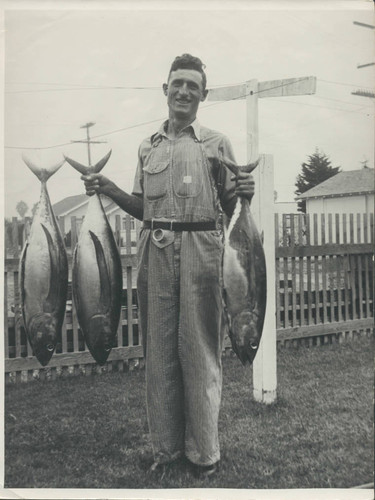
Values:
[(91, 432)]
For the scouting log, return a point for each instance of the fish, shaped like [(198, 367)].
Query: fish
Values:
[(96, 275), (244, 276), (43, 274)]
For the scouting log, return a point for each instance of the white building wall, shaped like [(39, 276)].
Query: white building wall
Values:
[(341, 205), (351, 227)]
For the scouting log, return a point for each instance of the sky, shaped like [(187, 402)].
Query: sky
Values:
[(66, 67)]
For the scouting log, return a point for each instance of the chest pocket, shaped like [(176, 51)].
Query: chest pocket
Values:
[(187, 169), (156, 171), (156, 179)]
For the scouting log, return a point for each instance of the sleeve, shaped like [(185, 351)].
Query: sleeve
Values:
[(138, 179), (226, 187)]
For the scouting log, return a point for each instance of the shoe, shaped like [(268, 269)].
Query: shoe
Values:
[(203, 471), (161, 466)]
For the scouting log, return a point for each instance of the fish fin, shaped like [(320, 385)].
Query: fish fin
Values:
[(82, 169), (43, 174), (54, 282), (98, 166), (75, 278), (105, 285), (22, 281)]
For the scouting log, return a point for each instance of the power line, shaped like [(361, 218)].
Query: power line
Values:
[(123, 129), (313, 121), (325, 107), (72, 89), (342, 83), (74, 86), (138, 124), (77, 87)]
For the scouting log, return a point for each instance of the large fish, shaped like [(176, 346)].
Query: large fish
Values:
[(244, 276), (43, 274), (97, 275)]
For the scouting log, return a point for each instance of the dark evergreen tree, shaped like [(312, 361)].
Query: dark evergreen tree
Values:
[(316, 170)]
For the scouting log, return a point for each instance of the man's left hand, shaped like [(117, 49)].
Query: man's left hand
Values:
[(245, 185)]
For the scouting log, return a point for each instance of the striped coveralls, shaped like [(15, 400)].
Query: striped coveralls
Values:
[(180, 290)]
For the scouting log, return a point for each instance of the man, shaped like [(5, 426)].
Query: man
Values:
[(181, 187)]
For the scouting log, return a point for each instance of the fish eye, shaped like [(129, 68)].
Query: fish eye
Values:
[(50, 347)]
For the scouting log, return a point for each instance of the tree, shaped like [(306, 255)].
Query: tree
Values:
[(316, 170), (33, 210), (22, 208)]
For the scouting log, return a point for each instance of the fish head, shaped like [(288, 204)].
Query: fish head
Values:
[(245, 336), (100, 337), (43, 336)]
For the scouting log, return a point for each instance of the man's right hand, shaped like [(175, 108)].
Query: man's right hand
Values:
[(97, 183)]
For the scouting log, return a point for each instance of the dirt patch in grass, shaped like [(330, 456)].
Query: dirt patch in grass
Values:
[(91, 432)]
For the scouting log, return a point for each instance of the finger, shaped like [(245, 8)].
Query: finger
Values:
[(245, 175), (244, 189), (245, 183), (92, 183)]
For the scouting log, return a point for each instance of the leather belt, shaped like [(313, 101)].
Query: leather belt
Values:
[(180, 226)]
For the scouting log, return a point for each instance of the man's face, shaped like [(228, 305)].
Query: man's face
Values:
[(184, 92)]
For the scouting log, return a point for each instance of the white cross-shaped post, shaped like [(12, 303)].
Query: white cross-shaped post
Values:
[(264, 368)]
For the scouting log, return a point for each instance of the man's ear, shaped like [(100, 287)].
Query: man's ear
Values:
[(165, 89), (204, 95)]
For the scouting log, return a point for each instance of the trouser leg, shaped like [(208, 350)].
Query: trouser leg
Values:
[(158, 291), (201, 344)]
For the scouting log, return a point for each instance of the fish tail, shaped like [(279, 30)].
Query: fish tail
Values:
[(98, 166), (235, 169), (43, 174), (82, 169), (250, 166), (85, 170)]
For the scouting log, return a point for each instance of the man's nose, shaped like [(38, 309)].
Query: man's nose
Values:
[(184, 89)]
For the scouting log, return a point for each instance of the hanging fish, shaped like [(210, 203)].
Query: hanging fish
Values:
[(97, 275), (43, 274), (244, 276)]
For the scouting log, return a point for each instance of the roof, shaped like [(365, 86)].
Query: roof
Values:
[(71, 203), (349, 183), (68, 204)]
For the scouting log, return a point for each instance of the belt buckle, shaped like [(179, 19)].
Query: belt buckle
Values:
[(171, 225)]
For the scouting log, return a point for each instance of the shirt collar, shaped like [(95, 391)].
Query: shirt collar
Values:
[(195, 126)]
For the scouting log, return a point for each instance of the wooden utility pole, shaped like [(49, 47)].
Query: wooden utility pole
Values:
[(88, 141), (264, 368)]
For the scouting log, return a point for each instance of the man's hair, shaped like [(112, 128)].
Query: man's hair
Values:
[(187, 61)]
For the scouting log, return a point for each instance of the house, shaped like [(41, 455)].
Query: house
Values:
[(348, 196), (76, 206), (349, 192)]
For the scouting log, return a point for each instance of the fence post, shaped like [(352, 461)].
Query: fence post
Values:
[(264, 368)]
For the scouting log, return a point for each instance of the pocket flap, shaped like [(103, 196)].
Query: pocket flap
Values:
[(156, 167)]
